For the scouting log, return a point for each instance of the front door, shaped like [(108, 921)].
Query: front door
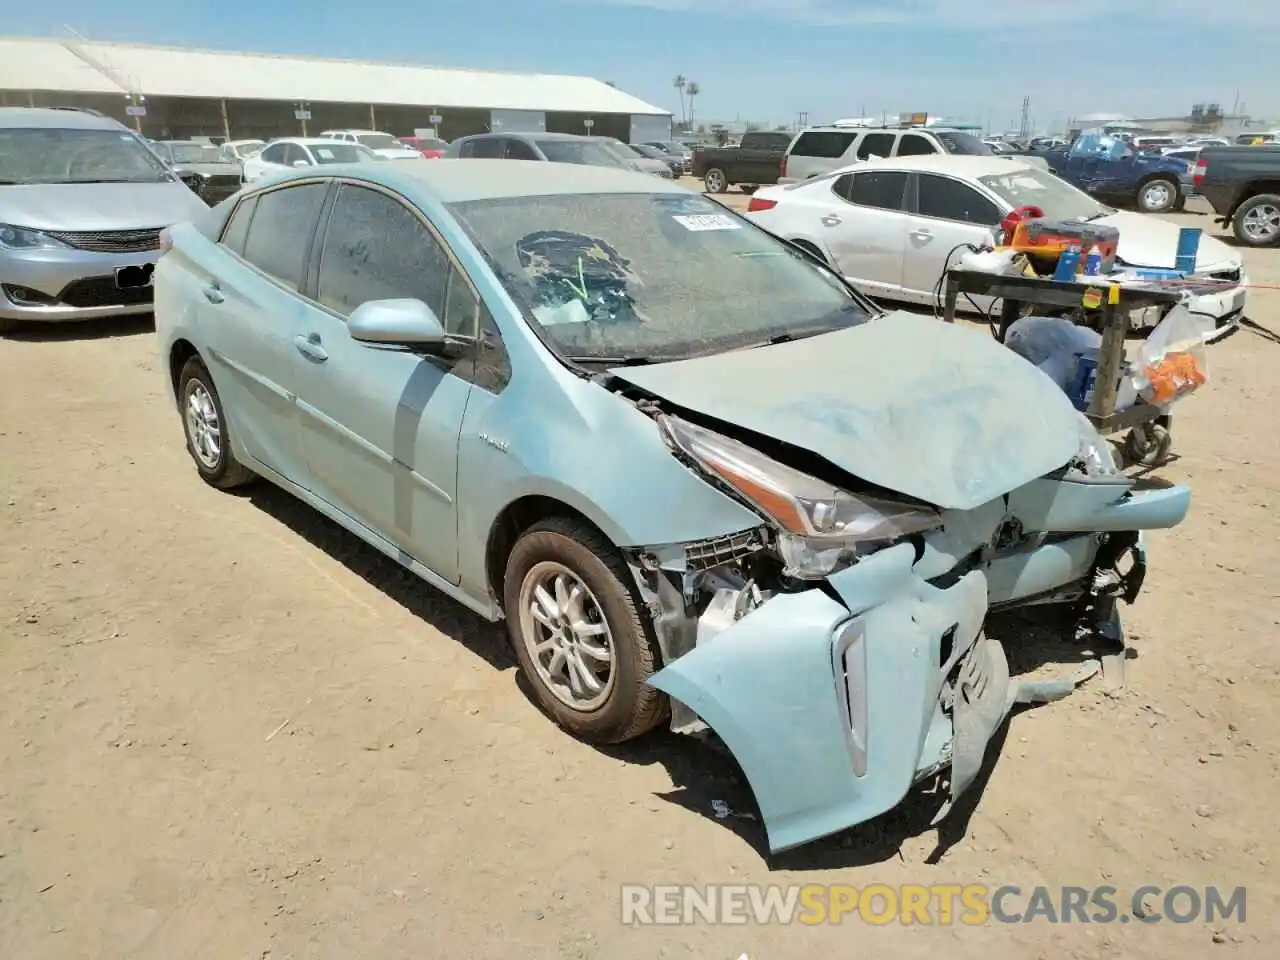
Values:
[(866, 231), (380, 425), (947, 213)]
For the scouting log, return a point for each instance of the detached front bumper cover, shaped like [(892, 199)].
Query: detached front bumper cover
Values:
[(835, 701)]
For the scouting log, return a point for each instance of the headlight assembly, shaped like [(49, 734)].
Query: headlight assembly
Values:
[(821, 528), (1095, 456), (20, 238)]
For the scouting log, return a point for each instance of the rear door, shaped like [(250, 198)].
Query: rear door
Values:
[(252, 314), (947, 213), (380, 426), (865, 229)]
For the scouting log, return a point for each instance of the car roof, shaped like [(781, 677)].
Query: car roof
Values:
[(955, 164), (524, 134), (457, 181), (311, 141), (350, 130), (52, 119)]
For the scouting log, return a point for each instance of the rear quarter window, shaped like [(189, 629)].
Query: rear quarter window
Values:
[(828, 144)]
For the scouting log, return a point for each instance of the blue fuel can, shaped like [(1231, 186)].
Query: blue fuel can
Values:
[(1084, 381), (1188, 246)]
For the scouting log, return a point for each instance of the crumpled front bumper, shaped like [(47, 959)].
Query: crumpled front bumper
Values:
[(833, 701)]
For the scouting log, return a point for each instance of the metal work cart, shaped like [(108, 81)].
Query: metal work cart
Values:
[(1108, 308)]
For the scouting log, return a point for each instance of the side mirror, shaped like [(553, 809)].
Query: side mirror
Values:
[(397, 323), (300, 163)]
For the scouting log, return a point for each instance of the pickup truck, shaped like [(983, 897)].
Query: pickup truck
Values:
[(757, 161), (1124, 176), (1242, 184)]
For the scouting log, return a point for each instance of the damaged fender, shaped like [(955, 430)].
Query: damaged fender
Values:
[(832, 700)]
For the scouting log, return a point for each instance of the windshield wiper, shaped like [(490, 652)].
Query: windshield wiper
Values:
[(9, 183), (635, 361)]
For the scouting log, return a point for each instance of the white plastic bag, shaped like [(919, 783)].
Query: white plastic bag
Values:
[(1173, 362)]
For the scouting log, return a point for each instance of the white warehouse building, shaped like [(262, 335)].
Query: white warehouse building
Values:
[(171, 92)]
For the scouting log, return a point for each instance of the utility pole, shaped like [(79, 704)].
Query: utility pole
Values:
[(802, 119), (1024, 127)]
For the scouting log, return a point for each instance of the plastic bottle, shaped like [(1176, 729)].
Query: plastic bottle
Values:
[(1093, 262), (1068, 264)]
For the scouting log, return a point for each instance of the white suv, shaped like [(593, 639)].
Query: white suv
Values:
[(383, 144), (820, 150)]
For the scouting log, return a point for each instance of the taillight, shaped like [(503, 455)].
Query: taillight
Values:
[(760, 203), (166, 241), (1198, 174)]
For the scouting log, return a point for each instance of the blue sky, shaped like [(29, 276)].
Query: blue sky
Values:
[(769, 59)]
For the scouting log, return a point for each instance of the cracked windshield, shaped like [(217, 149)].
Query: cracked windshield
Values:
[(652, 276)]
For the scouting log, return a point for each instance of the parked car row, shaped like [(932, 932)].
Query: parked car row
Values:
[(561, 148)]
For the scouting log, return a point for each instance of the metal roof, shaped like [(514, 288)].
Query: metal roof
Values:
[(90, 67)]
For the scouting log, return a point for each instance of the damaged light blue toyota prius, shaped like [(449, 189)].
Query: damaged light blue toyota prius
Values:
[(703, 480)]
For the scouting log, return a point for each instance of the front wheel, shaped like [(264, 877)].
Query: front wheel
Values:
[(1157, 196), (1257, 221), (204, 423), (581, 636), (715, 180)]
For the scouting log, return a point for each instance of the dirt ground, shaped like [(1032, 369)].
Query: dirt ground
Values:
[(230, 730)]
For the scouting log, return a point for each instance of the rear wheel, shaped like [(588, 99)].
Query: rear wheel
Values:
[(1157, 196), (580, 633), (1257, 221), (205, 425), (715, 180)]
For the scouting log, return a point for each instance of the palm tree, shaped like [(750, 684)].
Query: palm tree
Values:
[(680, 83), (692, 89)]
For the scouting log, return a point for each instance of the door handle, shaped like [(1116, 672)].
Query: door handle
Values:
[(213, 293), (309, 346), (831, 220), (921, 234)]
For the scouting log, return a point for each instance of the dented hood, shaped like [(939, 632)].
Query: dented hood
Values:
[(934, 411)]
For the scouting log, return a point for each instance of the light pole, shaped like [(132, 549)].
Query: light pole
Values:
[(302, 113), (136, 107)]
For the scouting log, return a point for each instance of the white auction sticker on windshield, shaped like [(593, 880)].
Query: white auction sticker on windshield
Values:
[(324, 153), (707, 221)]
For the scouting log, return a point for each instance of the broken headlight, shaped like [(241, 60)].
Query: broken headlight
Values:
[(820, 528)]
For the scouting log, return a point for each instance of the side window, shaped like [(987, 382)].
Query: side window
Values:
[(914, 145), (294, 153), (237, 228), (948, 199), (274, 153), (875, 145), (882, 189), (375, 248), (467, 149), (487, 148), (282, 228), (829, 144), (519, 150), (460, 303)]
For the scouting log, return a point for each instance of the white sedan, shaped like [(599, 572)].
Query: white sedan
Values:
[(890, 226), (294, 152)]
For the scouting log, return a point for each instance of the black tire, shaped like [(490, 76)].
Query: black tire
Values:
[(223, 471), (748, 188), (1157, 195), (715, 180), (1149, 446), (1249, 218), (631, 707)]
